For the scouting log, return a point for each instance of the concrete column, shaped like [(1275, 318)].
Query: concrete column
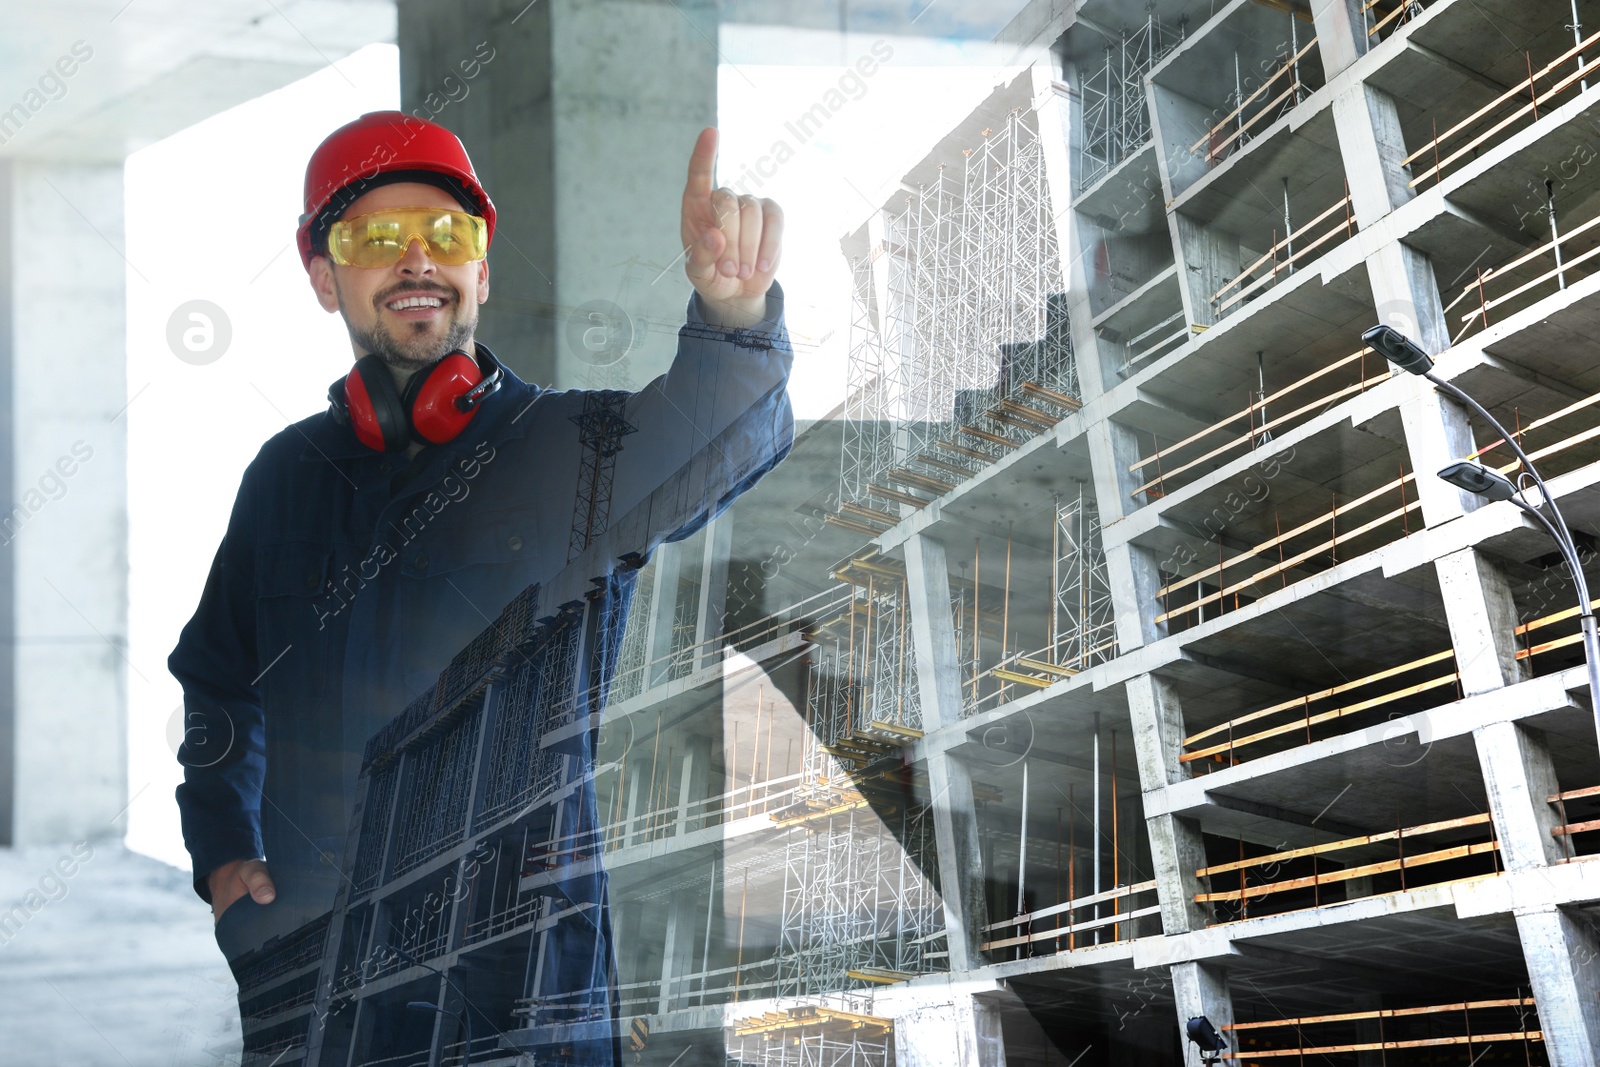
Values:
[(1483, 620), (677, 951), (1561, 951), (685, 786), (713, 589), (1208, 259), (1200, 989), (949, 780), (1436, 428), (1157, 719), (1059, 134), (1520, 777), (1371, 144), (63, 505), (1177, 848), (667, 563), (1132, 575), (580, 127), (1341, 33), (633, 802), (964, 1032)]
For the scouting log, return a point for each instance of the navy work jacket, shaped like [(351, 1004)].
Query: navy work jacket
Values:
[(348, 579)]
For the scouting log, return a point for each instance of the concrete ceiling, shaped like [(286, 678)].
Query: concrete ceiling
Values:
[(149, 68), (145, 69)]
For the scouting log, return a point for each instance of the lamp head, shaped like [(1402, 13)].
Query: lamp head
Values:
[(1398, 349), (1203, 1034), (1477, 479), (422, 1005)]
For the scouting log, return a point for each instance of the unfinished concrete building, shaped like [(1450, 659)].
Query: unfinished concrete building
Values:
[(1116, 658)]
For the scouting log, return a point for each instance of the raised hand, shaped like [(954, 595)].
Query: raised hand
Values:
[(733, 241)]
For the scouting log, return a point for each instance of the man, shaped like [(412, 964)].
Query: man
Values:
[(369, 543)]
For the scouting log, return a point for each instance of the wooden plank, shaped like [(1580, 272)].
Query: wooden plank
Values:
[(1075, 928), (1294, 257), (1046, 668), (1071, 403), (1380, 1013), (1271, 253), (1020, 679), (1540, 280), (1021, 410), (1072, 905), (1479, 139), (1292, 561), (1320, 402), (1575, 794), (963, 450), (1575, 828), (896, 495), (1323, 694), (934, 461), (852, 525), (1288, 66), (1267, 109), (1421, 860), (985, 435), (868, 513), (1301, 13), (1348, 842), (1539, 424), (1280, 394), (1512, 93), (920, 481), (1021, 422), (1377, 1046), (1321, 717)]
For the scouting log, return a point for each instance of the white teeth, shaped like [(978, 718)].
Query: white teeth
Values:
[(416, 302)]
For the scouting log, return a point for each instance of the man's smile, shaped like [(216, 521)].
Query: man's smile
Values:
[(417, 305)]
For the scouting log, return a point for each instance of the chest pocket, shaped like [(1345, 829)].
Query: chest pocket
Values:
[(452, 543), (298, 613), (293, 570)]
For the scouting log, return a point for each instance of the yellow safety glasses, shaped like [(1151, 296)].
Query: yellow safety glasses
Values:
[(380, 238)]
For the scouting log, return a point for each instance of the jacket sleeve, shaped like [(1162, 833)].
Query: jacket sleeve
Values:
[(224, 745), (712, 425)]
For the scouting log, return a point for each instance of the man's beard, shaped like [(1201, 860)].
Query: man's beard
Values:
[(415, 348)]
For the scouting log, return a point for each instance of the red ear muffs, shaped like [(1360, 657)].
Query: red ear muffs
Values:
[(431, 397), (438, 403), (376, 413)]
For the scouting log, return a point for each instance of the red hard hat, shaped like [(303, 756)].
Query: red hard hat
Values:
[(382, 142)]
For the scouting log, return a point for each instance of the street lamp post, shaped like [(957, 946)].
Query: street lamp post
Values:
[(461, 1016), (1492, 485), (465, 1015)]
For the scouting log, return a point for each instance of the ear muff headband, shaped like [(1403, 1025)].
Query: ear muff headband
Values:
[(437, 405)]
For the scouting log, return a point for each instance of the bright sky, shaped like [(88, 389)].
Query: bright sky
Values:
[(195, 422)]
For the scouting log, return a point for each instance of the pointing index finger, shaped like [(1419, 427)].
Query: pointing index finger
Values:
[(701, 163)]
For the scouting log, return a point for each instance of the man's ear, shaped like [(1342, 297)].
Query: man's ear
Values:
[(322, 283), (483, 279)]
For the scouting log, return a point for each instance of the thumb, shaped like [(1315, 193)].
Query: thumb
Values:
[(260, 885), (702, 261)]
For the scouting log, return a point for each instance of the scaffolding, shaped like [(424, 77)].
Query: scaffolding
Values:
[(1083, 626), (857, 908), (1116, 116), (812, 1036), (959, 341)]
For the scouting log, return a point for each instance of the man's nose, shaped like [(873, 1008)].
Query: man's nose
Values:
[(416, 260)]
